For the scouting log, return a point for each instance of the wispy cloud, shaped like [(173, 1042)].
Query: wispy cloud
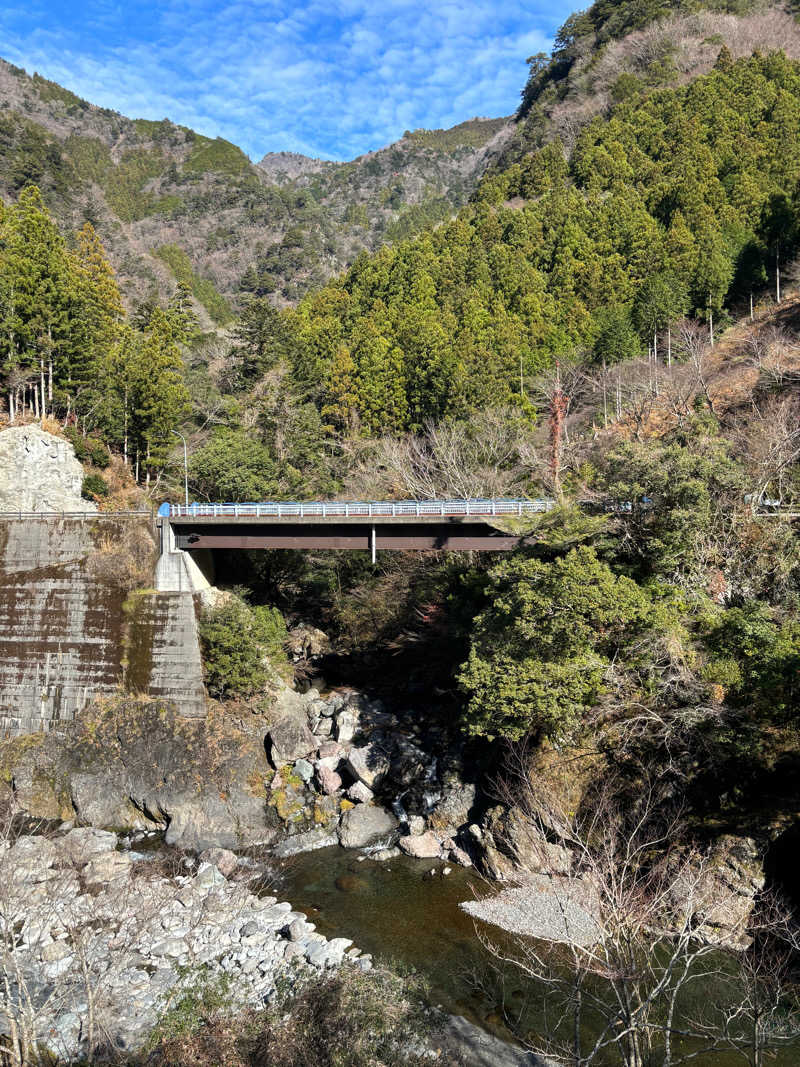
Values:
[(333, 79)]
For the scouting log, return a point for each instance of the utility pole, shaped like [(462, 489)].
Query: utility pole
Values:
[(185, 468)]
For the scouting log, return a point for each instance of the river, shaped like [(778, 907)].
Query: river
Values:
[(397, 911)]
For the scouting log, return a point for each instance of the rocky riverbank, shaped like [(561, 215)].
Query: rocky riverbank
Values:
[(348, 771), (97, 944)]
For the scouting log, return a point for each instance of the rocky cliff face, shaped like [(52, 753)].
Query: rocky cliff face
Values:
[(39, 472)]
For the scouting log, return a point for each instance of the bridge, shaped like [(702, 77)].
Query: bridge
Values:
[(376, 525)]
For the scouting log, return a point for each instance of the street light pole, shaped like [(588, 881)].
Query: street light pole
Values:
[(185, 468)]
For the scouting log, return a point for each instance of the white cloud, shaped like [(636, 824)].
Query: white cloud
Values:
[(335, 79)]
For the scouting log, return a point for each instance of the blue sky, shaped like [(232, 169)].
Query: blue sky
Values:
[(328, 79)]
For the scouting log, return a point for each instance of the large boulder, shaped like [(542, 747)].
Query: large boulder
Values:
[(512, 846), (84, 843), (452, 812), (723, 890), (291, 739), (108, 867), (365, 825), (307, 642), (127, 764), (421, 846), (39, 472), (369, 764)]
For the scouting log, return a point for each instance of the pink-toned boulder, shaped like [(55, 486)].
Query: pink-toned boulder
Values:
[(329, 781), (221, 858), (421, 846)]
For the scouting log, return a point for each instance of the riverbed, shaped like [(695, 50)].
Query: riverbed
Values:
[(398, 911)]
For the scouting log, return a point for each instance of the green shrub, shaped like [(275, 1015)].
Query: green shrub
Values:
[(237, 641), (542, 648), (93, 487), (88, 449)]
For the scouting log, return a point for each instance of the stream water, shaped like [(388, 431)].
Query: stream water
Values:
[(397, 911)]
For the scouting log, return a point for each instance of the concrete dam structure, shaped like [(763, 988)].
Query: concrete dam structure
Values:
[(82, 616)]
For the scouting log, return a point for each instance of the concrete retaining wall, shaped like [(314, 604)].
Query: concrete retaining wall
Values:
[(75, 623)]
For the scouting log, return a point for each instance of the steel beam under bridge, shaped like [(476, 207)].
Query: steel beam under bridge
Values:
[(451, 535), (401, 525)]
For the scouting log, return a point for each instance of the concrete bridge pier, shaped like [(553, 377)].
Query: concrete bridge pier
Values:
[(178, 571)]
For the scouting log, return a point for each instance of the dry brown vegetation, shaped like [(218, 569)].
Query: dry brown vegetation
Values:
[(685, 45)]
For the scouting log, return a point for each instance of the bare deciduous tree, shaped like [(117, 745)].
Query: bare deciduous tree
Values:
[(492, 455), (634, 902)]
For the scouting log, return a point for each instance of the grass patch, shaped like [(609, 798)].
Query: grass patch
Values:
[(202, 289), (216, 155)]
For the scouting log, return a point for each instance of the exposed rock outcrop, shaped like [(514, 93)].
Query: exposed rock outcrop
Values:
[(130, 764), (39, 472)]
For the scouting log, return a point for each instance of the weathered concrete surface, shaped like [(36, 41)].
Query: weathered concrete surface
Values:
[(39, 472), (73, 627)]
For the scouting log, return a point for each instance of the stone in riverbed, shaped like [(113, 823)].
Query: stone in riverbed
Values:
[(360, 793), (30, 856), (365, 825), (222, 858), (319, 837), (459, 856), (85, 842), (416, 825), (304, 770), (330, 750), (384, 854), (108, 867), (329, 781), (423, 846), (291, 740), (369, 764), (172, 946), (208, 878), (346, 725)]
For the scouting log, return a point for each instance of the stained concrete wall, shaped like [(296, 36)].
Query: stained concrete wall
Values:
[(73, 625)]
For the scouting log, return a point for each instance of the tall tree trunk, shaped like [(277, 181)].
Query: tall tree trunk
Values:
[(50, 381), (711, 327), (41, 385), (125, 427), (778, 273), (669, 346)]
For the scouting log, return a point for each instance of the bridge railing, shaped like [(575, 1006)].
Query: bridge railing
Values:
[(359, 508)]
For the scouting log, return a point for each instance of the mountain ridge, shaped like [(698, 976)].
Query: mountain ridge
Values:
[(173, 205)]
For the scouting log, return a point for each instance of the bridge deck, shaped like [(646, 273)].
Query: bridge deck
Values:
[(353, 510), (397, 525)]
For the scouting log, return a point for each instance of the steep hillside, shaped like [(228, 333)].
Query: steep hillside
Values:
[(172, 204), (380, 197), (679, 200), (619, 48)]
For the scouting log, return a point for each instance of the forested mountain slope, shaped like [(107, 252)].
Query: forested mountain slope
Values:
[(171, 204), (678, 201)]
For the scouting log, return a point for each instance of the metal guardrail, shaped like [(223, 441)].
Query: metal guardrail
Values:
[(75, 514), (358, 508)]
